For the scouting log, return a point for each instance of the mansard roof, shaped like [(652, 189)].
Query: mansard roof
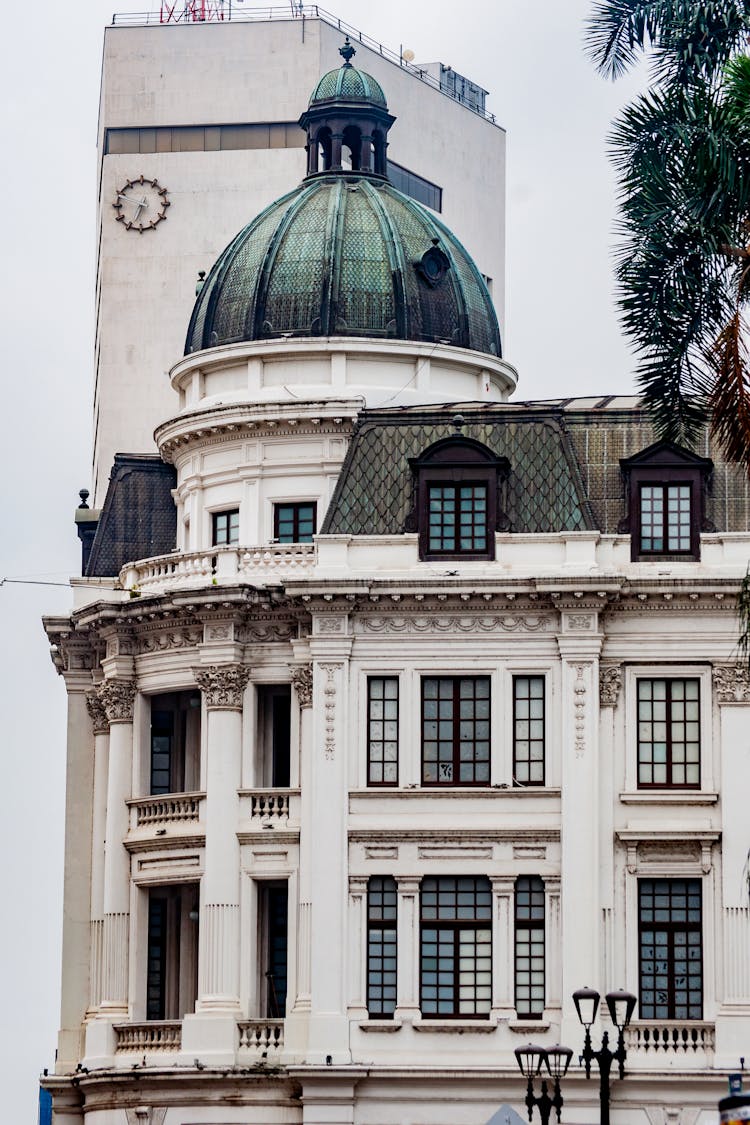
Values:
[(138, 518), (565, 472)]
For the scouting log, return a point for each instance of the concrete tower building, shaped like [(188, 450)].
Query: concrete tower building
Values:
[(398, 711)]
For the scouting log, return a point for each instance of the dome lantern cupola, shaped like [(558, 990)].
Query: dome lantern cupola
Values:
[(347, 122)]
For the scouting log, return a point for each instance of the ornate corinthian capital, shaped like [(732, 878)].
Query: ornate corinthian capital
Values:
[(732, 683), (302, 679), (117, 697), (97, 713), (610, 683), (222, 685)]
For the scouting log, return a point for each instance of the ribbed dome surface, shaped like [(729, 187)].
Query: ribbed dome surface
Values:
[(345, 256), (348, 84)]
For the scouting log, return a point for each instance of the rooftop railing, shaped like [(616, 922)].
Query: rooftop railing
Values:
[(224, 11)]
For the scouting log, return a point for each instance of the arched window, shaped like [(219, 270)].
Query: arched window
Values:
[(323, 141), (378, 144), (458, 499), (352, 148)]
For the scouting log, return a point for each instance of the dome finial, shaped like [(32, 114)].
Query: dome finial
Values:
[(347, 52)]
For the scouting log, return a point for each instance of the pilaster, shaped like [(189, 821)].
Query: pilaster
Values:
[(503, 1000), (100, 726), (407, 981)]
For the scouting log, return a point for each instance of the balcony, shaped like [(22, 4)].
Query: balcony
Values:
[(145, 1038), (168, 808), (670, 1044), (221, 565), (263, 1039), (263, 809)]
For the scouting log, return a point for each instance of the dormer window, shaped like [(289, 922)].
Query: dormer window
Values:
[(458, 503), (665, 491)]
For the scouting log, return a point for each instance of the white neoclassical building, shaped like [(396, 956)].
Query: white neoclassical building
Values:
[(398, 711)]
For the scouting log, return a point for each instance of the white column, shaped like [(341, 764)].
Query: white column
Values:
[(503, 946), (407, 991), (552, 944), (100, 725), (212, 1030), (328, 849), (580, 644), (117, 697), (357, 999)]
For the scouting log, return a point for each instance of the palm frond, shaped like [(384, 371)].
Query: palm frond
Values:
[(743, 612), (730, 399)]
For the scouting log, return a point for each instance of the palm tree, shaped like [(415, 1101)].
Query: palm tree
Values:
[(682, 152)]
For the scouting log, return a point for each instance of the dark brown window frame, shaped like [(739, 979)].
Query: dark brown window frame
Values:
[(526, 921), (456, 720), (661, 465), (457, 461), (295, 505), (516, 678), (370, 782), (668, 784), (215, 517), (455, 925), (380, 926), (671, 928)]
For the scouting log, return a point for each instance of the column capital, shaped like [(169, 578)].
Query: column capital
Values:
[(222, 685), (358, 884), (408, 884), (732, 683), (302, 682), (503, 884), (97, 712), (117, 698), (610, 684)]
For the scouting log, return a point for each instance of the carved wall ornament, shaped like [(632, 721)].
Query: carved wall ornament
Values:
[(223, 685), (329, 624), (120, 644), (218, 632), (463, 623), (579, 706), (302, 681), (580, 622), (329, 706), (97, 713), (273, 631), (732, 683), (610, 684), (165, 640), (117, 698)]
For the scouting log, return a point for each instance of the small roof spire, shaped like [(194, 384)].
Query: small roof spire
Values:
[(347, 52)]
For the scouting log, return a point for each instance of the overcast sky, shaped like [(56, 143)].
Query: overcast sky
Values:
[(562, 335)]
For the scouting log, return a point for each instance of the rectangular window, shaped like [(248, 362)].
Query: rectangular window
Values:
[(294, 523), (382, 730), (456, 730), (175, 742), (669, 734), (274, 734), (528, 730), (424, 191), (172, 952), (226, 528), (665, 518), (381, 947), (457, 518), (671, 958), (275, 909), (529, 961), (456, 948)]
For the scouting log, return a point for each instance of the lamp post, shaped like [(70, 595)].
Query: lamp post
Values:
[(530, 1060), (621, 1007)]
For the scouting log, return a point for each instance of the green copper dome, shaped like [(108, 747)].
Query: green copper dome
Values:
[(345, 255), (348, 84)]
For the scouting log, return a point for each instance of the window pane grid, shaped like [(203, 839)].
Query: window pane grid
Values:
[(226, 528), (294, 523), (528, 730), (456, 947), (665, 518), (529, 947), (457, 517), (669, 733), (671, 972), (382, 730), (381, 947), (456, 730)]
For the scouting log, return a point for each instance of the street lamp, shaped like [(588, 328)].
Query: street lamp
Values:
[(530, 1060), (621, 1006)]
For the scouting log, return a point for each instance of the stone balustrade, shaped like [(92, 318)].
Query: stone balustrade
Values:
[(156, 1035), (263, 1038), (168, 808), (657, 1037), (219, 565)]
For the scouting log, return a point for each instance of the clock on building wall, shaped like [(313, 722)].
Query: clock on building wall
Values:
[(141, 204)]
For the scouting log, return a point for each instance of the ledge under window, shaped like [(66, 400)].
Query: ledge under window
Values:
[(670, 797), (529, 1027), (380, 1025), (455, 1026)]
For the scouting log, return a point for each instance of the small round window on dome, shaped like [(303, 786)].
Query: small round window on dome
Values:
[(433, 265)]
